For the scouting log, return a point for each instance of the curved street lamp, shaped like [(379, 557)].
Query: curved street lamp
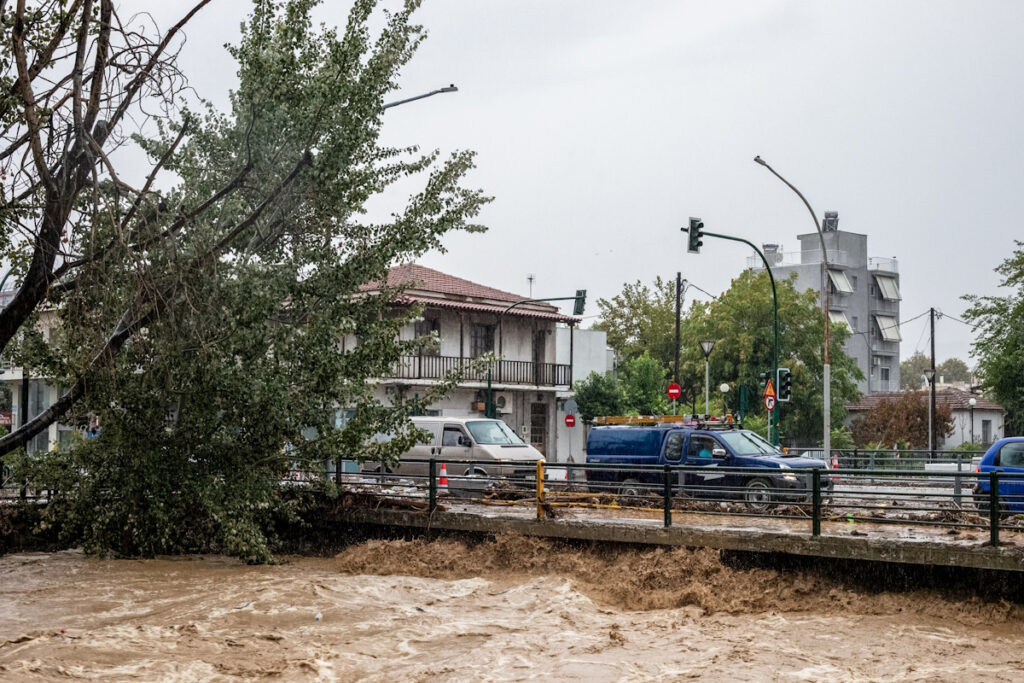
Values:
[(447, 88), (827, 369)]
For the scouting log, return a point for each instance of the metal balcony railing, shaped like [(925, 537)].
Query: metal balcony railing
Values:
[(502, 371)]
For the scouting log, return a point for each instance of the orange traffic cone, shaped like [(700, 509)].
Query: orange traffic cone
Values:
[(442, 479)]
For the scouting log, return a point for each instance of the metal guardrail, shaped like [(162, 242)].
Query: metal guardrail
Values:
[(955, 500), (988, 502)]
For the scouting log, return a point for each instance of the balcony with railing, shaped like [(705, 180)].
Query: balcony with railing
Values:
[(886, 265), (502, 371)]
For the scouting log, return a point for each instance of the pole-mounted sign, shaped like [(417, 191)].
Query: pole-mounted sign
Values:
[(769, 395)]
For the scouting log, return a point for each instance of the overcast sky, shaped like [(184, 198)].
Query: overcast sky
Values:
[(601, 127)]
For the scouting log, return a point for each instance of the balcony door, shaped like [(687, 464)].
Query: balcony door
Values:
[(540, 340)]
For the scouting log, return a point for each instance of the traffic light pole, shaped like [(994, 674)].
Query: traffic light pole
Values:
[(774, 431)]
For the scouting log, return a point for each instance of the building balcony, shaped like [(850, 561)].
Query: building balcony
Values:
[(885, 265), (502, 371)]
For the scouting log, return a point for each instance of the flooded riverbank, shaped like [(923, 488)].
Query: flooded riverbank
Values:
[(507, 609)]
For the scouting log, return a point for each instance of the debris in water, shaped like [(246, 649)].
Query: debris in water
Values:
[(318, 616)]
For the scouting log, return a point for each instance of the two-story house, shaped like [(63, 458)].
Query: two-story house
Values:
[(471, 321)]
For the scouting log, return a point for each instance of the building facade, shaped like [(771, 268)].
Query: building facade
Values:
[(471, 320), (864, 295)]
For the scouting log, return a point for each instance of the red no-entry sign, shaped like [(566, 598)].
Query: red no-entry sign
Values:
[(674, 391), (570, 420)]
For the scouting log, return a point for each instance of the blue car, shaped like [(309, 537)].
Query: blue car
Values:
[(1004, 456)]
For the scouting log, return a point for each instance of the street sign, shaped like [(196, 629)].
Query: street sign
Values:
[(571, 406), (570, 420), (769, 395), (674, 391)]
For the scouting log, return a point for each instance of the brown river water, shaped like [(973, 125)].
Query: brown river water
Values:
[(505, 609)]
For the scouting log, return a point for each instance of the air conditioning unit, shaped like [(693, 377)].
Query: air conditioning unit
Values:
[(503, 403), (876, 361)]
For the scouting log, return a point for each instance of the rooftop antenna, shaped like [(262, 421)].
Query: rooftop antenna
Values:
[(530, 277)]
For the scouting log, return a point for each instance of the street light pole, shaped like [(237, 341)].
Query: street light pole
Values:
[(930, 376), (448, 88), (827, 369), (706, 345), (972, 402)]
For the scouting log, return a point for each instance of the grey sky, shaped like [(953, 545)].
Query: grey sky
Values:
[(601, 126)]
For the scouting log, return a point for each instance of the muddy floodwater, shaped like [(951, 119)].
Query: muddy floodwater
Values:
[(505, 609)]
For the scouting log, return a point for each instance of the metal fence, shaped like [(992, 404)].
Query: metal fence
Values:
[(952, 500)]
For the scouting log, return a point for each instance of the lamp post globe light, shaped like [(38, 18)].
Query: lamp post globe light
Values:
[(972, 402), (724, 388), (706, 345)]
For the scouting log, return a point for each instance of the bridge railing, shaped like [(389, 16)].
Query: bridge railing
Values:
[(844, 499)]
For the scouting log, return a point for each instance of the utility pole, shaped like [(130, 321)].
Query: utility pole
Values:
[(679, 308), (931, 407)]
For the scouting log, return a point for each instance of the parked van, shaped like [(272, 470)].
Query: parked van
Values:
[(456, 439)]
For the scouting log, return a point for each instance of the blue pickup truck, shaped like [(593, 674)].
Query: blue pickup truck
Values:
[(715, 452)]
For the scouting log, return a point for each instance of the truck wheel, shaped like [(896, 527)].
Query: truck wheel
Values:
[(630, 488), (758, 495)]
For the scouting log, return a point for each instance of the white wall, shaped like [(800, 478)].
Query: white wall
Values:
[(962, 427), (591, 353)]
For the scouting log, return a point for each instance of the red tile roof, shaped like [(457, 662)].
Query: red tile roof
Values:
[(956, 399), (431, 287)]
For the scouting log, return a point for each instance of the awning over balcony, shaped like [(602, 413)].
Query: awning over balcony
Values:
[(521, 311), (888, 287), (839, 318), (840, 281), (889, 327)]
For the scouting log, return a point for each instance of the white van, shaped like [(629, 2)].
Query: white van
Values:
[(455, 439)]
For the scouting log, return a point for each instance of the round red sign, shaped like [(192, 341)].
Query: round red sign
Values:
[(570, 420), (674, 391)]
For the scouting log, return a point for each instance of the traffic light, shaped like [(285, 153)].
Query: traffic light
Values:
[(785, 384), (581, 301), (696, 235)]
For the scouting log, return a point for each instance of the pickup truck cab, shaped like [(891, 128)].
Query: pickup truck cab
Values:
[(710, 457)]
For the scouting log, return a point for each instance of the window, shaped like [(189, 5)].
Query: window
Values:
[(1012, 455), (883, 374), (888, 288), (855, 325), (853, 282), (840, 282), (986, 431), (889, 327), (481, 339), (451, 436), (674, 446), (702, 447), (838, 318), (424, 328)]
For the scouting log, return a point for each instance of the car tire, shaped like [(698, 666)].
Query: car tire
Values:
[(757, 494), (630, 488)]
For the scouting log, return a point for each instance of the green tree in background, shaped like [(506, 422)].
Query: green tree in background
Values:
[(998, 324), (599, 394), (953, 370), (950, 370), (911, 370), (641, 319), (643, 382)]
